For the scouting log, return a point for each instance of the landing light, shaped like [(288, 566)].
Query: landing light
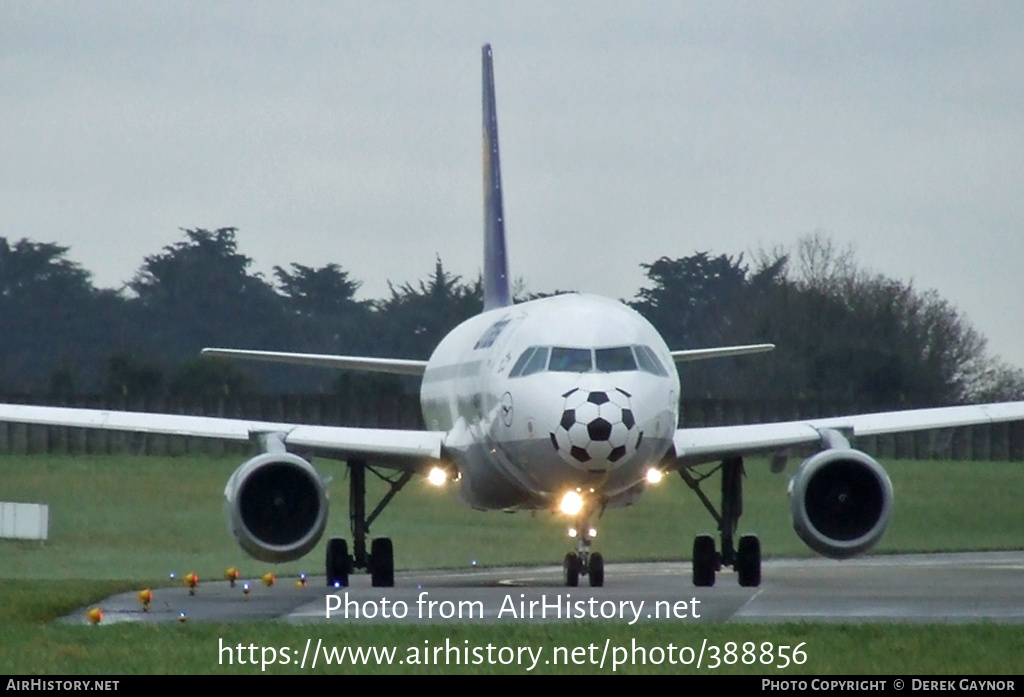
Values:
[(653, 476), (572, 503), (437, 476)]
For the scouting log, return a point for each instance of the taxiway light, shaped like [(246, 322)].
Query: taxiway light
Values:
[(245, 590), (95, 615), (653, 476), (231, 575), (572, 503), (182, 617), (145, 597), (301, 583), (437, 476)]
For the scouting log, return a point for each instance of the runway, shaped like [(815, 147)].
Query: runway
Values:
[(963, 587)]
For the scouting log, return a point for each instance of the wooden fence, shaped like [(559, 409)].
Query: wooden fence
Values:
[(997, 442)]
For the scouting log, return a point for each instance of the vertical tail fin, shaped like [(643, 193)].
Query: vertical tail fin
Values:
[(496, 286)]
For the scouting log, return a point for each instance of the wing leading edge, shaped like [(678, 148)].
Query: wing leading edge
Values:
[(401, 449), (694, 445)]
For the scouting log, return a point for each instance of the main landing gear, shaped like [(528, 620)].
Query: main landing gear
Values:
[(583, 562), (380, 561), (746, 560)]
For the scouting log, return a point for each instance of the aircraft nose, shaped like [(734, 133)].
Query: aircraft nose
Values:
[(597, 428)]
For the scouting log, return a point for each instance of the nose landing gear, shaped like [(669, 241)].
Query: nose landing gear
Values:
[(583, 562)]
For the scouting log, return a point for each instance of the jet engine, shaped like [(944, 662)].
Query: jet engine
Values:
[(841, 501), (276, 506)]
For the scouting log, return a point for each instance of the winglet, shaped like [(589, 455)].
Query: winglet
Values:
[(496, 286)]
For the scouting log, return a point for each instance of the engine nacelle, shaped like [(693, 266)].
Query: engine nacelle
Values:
[(276, 506), (841, 501)]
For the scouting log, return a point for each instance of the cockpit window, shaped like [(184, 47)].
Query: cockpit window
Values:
[(649, 362), (613, 360), (535, 359), (517, 369), (538, 361), (570, 360)]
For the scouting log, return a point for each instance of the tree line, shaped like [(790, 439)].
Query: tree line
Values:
[(843, 334)]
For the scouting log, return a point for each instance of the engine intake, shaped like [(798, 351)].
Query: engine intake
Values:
[(841, 501), (276, 506)]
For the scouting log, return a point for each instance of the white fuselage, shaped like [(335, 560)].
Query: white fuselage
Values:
[(554, 395)]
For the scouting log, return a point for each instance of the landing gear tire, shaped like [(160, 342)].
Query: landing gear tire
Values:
[(748, 561), (705, 561), (571, 569), (596, 570), (337, 562), (382, 563)]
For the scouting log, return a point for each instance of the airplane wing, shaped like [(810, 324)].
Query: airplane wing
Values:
[(401, 449), (696, 445)]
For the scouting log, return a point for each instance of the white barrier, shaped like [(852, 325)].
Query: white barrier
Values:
[(24, 521)]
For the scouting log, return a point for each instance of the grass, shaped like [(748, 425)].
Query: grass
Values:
[(142, 518), (830, 649), (117, 523)]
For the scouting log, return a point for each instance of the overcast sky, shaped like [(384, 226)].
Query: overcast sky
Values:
[(350, 133)]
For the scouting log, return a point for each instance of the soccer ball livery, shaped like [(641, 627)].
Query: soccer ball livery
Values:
[(597, 428)]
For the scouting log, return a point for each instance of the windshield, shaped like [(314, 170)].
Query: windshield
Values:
[(615, 359), (571, 360)]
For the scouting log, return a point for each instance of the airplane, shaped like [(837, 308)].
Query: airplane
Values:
[(568, 402)]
